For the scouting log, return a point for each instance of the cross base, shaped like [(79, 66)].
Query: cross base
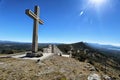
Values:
[(38, 54)]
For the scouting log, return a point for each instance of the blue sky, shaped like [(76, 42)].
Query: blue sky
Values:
[(65, 21)]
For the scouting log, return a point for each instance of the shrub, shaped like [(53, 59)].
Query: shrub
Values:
[(7, 52)]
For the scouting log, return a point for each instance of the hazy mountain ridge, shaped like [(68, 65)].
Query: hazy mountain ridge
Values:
[(109, 50), (7, 47), (110, 47)]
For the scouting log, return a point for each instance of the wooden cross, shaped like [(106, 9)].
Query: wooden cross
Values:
[(35, 16)]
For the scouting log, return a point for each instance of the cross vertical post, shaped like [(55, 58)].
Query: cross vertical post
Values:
[(35, 31), (35, 16)]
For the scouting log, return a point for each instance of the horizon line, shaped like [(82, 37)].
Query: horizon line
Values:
[(101, 43)]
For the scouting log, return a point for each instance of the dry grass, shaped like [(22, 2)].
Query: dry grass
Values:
[(54, 68)]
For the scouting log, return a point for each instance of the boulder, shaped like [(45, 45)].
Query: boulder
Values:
[(106, 77), (94, 77)]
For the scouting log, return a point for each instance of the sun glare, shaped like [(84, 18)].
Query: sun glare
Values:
[(97, 2)]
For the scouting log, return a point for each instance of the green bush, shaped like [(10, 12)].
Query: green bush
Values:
[(7, 52)]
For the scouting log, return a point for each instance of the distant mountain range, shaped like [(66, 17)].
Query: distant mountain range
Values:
[(14, 42), (94, 45), (1, 41), (110, 50), (7, 46), (100, 46)]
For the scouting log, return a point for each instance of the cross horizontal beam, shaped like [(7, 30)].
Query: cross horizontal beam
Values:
[(32, 15)]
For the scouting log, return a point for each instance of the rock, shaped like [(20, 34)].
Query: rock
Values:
[(92, 69), (89, 67), (80, 77), (39, 54), (94, 77), (1, 63), (106, 77), (119, 75), (38, 61)]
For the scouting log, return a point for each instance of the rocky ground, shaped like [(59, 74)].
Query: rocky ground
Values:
[(53, 68)]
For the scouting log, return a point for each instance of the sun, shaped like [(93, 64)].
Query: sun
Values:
[(97, 2)]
